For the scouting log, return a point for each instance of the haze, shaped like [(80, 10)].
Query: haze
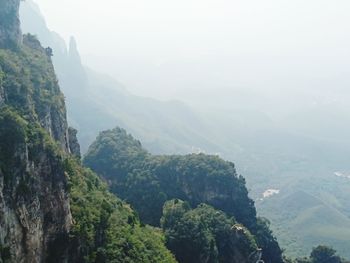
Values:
[(273, 52), (264, 84)]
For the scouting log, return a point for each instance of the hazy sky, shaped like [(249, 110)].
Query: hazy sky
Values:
[(173, 49)]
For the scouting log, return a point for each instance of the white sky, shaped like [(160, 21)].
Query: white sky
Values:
[(169, 49)]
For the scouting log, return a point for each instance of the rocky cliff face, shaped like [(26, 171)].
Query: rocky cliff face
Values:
[(10, 32), (34, 207), (35, 216), (74, 145), (51, 208)]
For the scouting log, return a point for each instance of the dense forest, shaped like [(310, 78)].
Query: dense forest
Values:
[(206, 234), (147, 181)]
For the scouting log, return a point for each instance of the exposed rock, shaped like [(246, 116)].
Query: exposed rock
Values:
[(34, 204), (74, 145), (35, 216), (46, 105), (2, 94), (10, 31), (73, 51)]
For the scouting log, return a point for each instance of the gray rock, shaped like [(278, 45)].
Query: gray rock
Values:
[(34, 207), (35, 217), (74, 145)]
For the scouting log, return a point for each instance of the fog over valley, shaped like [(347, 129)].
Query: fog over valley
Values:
[(262, 84), (280, 50), (197, 131)]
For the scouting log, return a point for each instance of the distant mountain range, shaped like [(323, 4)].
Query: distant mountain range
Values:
[(270, 154)]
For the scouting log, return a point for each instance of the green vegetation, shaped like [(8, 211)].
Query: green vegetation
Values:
[(306, 220), (266, 151), (138, 176), (107, 229), (29, 81), (13, 135), (222, 228), (147, 182), (5, 254), (32, 120), (18, 136), (322, 254), (205, 234)]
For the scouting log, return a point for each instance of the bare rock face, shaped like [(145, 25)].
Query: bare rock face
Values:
[(35, 217), (10, 31), (51, 115), (74, 145), (2, 94)]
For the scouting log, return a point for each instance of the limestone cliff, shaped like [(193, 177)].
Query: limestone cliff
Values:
[(35, 216), (74, 145), (34, 206), (51, 208)]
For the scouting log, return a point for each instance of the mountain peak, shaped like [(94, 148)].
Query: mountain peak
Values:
[(73, 50)]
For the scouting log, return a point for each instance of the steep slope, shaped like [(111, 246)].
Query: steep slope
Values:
[(148, 181), (51, 208), (34, 201), (206, 235), (310, 221), (106, 229)]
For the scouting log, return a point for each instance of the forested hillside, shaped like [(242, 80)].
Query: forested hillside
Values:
[(148, 181)]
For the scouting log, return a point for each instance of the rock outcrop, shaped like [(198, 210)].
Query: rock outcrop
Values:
[(74, 145), (34, 206)]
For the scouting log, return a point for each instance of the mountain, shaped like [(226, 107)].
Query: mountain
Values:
[(164, 126), (51, 208), (310, 220), (272, 154), (55, 210), (148, 181)]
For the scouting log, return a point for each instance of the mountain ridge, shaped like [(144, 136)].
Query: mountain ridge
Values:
[(147, 181)]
